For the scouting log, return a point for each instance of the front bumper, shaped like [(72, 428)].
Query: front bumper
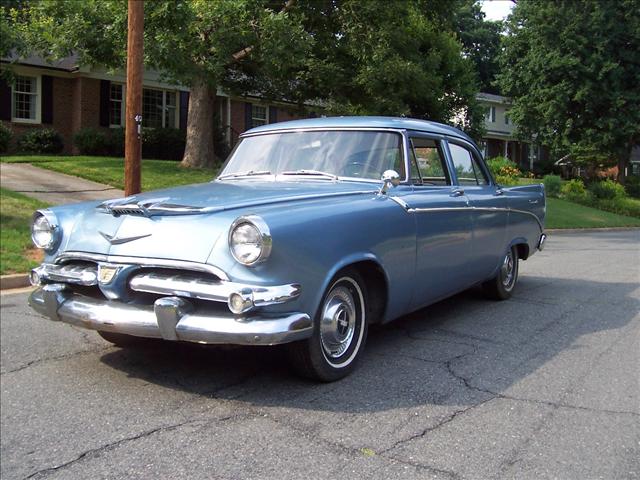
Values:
[(170, 318)]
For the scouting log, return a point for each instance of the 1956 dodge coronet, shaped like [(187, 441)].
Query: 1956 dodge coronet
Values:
[(313, 230)]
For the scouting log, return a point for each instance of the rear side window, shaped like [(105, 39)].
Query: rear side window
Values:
[(428, 166), (467, 168)]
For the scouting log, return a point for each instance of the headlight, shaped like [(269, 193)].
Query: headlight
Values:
[(250, 240), (45, 231)]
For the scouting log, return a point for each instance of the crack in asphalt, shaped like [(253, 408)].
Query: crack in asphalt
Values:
[(106, 447), (65, 356)]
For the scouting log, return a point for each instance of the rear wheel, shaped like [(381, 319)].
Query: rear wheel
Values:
[(502, 285), (339, 334)]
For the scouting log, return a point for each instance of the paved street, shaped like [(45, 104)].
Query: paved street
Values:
[(545, 385)]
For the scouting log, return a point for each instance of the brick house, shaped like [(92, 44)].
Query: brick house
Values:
[(66, 96)]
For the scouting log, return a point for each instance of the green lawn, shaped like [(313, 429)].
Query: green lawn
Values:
[(17, 253), (565, 214), (110, 170)]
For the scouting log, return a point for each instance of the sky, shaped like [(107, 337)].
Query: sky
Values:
[(496, 9)]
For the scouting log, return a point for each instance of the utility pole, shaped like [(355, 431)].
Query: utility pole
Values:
[(133, 112)]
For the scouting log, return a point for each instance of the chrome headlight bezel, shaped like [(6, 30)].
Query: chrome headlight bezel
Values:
[(53, 228), (265, 242)]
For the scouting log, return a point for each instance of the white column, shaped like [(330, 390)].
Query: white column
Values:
[(506, 149)]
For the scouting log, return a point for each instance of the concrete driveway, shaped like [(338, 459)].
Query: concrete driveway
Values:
[(545, 385), (53, 187)]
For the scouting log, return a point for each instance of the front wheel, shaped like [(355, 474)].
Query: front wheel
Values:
[(502, 285), (339, 334)]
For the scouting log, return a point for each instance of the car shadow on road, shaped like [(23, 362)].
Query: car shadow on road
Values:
[(454, 352)]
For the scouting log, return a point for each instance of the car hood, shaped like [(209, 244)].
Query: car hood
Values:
[(186, 222)]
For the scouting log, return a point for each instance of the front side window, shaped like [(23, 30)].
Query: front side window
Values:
[(467, 168), (428, 166), (258, 115), (25, 98), (353, 154)]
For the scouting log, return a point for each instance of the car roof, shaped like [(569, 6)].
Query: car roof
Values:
[(364, 122)]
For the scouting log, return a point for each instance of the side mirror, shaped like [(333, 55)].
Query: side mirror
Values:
[(390, 178)]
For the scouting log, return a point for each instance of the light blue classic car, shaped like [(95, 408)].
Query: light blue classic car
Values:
[(314, 230)]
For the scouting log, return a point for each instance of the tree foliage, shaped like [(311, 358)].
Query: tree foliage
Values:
[(481, 42), (346, 56), (573, 70)]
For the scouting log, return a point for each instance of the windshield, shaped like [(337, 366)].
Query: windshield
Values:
[(317, 154)]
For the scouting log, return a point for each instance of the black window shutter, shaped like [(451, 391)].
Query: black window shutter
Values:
[(5, 101), (273, 114), (105, 94), (184, 109), (247, 115), (47, 99)]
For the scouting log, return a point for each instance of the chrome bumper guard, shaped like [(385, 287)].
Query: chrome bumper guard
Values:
[(543, 238), (170, 318)]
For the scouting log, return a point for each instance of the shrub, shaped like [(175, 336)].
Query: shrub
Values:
[(552, 185), (91, 141), (506, 181), (633, 186), (163, 143), (620, 205), (40, 140), (574, 190), (503, 167), (115, 142), (5, 137), (607, 190)]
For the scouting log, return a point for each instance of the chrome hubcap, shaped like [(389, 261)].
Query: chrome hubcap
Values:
[(338, 322), (508, 270)]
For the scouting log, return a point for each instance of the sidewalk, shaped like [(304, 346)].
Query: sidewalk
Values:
[(53, 187)]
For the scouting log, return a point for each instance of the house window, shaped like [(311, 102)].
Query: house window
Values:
[(116, 105), (25, 99), (258, 115), (491, 115), (507, 121), (158, 108)]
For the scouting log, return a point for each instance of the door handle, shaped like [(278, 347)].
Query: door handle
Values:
[(458, 192), (533, 201), (499, 191)]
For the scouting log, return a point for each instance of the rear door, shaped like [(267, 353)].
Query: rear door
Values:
[(489, 209), (443, 222)]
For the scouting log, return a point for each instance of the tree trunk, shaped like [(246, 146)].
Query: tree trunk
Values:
[(198, 152)]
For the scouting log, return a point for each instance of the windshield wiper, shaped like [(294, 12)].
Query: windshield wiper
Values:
[(249, 173), (311, 172)]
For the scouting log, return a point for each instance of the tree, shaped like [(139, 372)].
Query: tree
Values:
[(193, 42), (481, 42), (573, 70), (389, 58)]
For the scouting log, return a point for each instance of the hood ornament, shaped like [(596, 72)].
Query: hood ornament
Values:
[(113, 240)]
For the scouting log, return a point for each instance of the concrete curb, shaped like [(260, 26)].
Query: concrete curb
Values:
[(17, 280), (590, 230)]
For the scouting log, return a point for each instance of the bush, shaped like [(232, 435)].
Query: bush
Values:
[(633, 186), (607, 190), (506, 181), (5, 137), (115, 142), (91, 141), (620, 205), (40, 140), (574, 191), (552, 185), (163, 143), (503, 167)]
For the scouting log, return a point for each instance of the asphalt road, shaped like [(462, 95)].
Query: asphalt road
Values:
[(545, 385)]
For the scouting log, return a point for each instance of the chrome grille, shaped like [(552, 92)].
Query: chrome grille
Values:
[(182, 284), (75, 273)]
